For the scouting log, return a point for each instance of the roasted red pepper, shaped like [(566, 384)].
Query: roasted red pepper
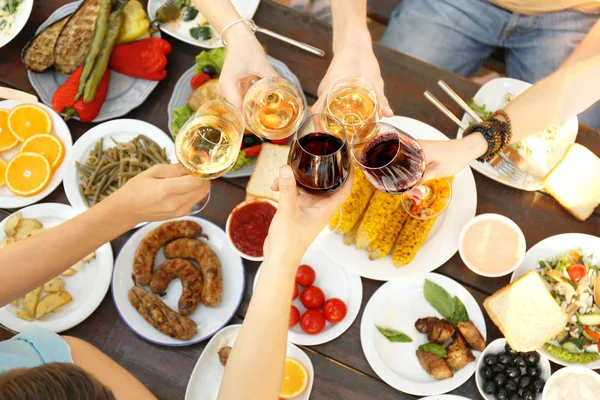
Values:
[(63, 100), (145, 59)]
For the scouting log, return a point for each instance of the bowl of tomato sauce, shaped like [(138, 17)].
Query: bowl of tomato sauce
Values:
[(248, 226)]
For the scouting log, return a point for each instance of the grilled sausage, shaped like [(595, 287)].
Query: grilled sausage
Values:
[(143, 261), (191, 280), (209, 263), (160, 316)]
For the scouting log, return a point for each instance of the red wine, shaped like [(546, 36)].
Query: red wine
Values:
[(394, 164), (320, 162)]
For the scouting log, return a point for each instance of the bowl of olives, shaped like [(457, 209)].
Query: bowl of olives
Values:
[(506, 374)]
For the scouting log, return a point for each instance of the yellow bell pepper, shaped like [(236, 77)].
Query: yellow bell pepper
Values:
[(135, 24)]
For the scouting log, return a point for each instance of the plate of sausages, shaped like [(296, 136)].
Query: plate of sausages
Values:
[(178, 282)]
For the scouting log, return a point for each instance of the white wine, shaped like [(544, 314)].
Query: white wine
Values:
[(206, 146), (353, 107)]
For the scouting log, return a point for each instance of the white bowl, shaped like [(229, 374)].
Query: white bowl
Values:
[(498, 217), (242, 204), (566, 370), (497, 346)]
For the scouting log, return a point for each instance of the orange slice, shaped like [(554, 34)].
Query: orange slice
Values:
[(7, 139), (2, 172), (27, 174), (26, 120), (46, 145), (295, 379)]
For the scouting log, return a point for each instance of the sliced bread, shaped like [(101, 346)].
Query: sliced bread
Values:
[(575, 181), (270, 159), (526, 313)]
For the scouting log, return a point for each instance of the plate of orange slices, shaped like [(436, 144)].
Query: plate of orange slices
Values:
[(34, 142)]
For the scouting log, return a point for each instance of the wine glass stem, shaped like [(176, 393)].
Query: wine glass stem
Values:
[(201, 205), (426, 192)]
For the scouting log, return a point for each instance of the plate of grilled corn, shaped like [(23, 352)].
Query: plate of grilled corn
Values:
[(377, 239)]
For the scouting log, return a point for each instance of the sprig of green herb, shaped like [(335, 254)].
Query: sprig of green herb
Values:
[(434, 348), (452, 309), (393, 335)]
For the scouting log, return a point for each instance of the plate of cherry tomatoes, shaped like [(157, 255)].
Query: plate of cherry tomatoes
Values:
[(326, 300)]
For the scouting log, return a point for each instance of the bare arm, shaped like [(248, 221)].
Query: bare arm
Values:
[(123, 385)]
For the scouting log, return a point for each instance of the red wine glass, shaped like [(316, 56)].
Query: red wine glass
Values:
[(394, 162)]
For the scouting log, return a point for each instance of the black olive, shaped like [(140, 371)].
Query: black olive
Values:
[(533, 370), (498, 368), (509, 349), (502, 394), (489, 387), (524, 381), (251, 140), (486, 372), (504, 358), (500, 378), (515, 396), (209, 70), (532, 357), (528, 395), (513, 372), (490, 359), (519, 361), (538, 385), (512, 385)]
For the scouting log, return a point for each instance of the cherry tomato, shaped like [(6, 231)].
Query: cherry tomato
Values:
[(252, 151), (334, 310), (593, 333), (280, 141), (576, 272), (199, 80), (295, 295), (305, 276), (312, 297), (312, 322), (294, 316)]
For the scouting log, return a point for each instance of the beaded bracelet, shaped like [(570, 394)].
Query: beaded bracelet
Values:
[(496, 133)]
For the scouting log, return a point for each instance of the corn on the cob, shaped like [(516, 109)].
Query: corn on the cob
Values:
[(384, 243), (355, 205), (350, 237), (378, 214), (411, 238)]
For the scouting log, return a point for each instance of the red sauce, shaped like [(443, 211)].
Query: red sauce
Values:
[(249, 227)]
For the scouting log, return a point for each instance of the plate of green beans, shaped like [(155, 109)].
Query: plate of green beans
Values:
[(109, 155)]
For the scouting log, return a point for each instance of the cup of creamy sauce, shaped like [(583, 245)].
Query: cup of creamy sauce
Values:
[(491, 245), (572, 383)]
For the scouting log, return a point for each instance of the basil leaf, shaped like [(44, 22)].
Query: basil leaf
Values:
[(201, 33), (440, 300), (434, 348), (190, 13), (394, 335), (460, 312)]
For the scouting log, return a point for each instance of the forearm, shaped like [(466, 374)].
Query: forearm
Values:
[(256, 363), (220, 14), (349, 24), (30, 263)]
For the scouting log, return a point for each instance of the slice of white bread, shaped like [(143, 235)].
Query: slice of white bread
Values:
[(575, 181), (270, 159), (526, 313)]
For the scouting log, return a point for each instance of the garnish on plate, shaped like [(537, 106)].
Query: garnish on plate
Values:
[(434, 348), (451, 308), (393, 335)]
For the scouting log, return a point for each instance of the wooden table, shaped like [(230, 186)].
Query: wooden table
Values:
[(341, 370)]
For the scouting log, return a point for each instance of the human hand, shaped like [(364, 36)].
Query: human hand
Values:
[(163, 192), (300, 216), (448, 157), (245, 60), (358, 62)]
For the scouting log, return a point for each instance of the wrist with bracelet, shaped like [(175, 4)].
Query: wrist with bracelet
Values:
[(246, 21), (497, 134)]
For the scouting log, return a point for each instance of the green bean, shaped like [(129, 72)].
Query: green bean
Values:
[(85, 199), (163, 153), (97, 193), (114, 28), (81, 169), (93, 176), (108, 182), (108, 167), (157, 155), (128, 174)]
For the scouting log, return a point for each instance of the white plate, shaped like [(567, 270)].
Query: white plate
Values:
[(496, 347), (397, 305), (87, 287), (334, 281), (60, 130), (246, 9), (20, 19), (552, 246), (124, 92), (209, 320), (206, 378), (183, 90), (492, 95), (121, 130), (442, 242)]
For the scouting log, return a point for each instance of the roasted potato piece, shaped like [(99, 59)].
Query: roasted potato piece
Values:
[(54, 286), (10, 227), (25, 226), (52, 302), (77, 266), (89, 257), (36, 232), (17, 302), (6, 241), (24, 315), (69, 272), (30, 303), (204, 93)]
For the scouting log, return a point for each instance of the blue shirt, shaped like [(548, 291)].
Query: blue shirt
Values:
[(33, 347)]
